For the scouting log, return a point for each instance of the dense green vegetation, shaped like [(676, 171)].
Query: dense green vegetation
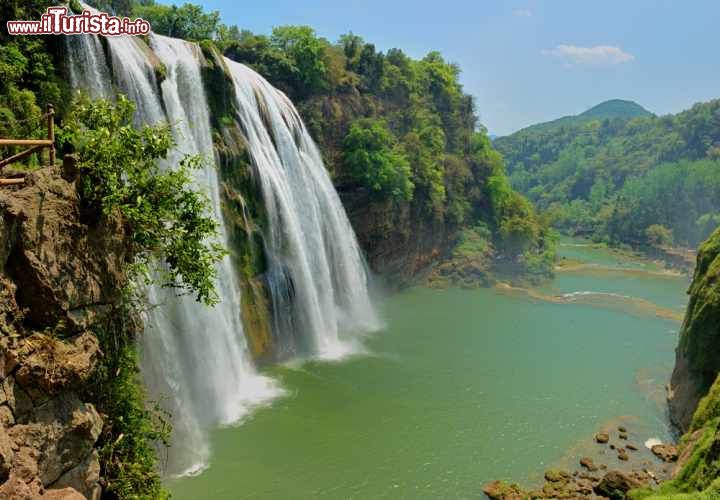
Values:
[(616, 178), (135, 428), (31, 77), (374, 156), (171, 227)]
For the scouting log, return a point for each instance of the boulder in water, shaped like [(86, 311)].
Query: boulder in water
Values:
[(665, 452), (588, 463), (499, 490), (556, 476), (602, 437), (616, 484)]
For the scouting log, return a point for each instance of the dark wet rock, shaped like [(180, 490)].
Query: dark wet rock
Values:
[(602, 437), (631, 447), (616, 484), (612, 446), (623, 456), (623, 436), (622, 429), (665, 452)]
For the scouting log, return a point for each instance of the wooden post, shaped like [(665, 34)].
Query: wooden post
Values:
[(12, 182), (51, 132)]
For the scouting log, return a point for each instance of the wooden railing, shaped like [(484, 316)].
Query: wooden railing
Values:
[(36, 145)]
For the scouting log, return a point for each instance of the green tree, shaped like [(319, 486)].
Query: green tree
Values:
[(658, 235), (172, 234), (189, 22), (373, 156), (305, 50)]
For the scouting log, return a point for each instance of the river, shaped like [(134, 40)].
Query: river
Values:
[(464, 386)]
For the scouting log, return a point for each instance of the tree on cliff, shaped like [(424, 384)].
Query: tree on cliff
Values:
[(172, 232)]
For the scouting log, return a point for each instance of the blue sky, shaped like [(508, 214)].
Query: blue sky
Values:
[(532, 60)]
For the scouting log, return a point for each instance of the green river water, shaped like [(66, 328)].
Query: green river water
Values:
[(464, 386)]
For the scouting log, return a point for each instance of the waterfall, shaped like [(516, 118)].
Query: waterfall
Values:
[(317, 273), (194, 359), (88, 68)]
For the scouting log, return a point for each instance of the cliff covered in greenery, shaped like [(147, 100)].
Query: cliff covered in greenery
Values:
[(694, 393), (697, 360), (697, 473), (622, 178)]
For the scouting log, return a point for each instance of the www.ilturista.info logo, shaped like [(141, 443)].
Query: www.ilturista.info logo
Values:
[(56, 21)]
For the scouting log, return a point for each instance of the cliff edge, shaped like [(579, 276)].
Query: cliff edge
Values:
[(59, 274), (698, 357)]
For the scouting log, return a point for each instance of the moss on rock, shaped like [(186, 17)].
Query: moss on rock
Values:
[(697, 358)]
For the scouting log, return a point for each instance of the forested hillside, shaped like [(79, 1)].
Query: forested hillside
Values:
[(639, 181)]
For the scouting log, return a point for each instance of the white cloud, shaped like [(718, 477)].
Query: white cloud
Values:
[(598, 55), (522, 12)]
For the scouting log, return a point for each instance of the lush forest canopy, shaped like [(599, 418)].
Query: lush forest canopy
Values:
[(624, 179)]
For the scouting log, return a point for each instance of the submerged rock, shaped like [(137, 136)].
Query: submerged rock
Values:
[(602, 437), (588, 463)]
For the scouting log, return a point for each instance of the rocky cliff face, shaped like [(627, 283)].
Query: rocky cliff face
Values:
[(697, 356), (400, 243), (59, 274), (401, 239)]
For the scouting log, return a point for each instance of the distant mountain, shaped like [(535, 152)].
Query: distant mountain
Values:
[(614, 108), (617, 171)]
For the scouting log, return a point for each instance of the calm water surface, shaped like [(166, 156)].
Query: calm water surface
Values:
[(463, 387)]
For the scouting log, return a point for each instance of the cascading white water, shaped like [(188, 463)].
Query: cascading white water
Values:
[(317, 274), (194, 359), (88, 68)]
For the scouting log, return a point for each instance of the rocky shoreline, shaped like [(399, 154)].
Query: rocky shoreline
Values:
[(623, 465)]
